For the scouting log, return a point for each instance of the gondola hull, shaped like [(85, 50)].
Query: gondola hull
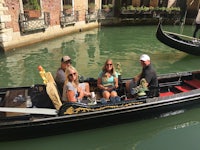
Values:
[(22, 126), (177, 42)]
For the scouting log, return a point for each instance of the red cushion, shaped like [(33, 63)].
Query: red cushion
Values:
[(195, 83), (166, 94), (183, 88)]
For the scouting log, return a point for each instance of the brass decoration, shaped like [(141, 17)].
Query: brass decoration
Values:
[(78, 110)]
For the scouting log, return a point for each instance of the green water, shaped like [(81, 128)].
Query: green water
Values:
[(89, 50), (179, 130)]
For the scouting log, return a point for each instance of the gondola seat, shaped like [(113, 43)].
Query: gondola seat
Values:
[(183, 88), (166, 94), (194, 83)]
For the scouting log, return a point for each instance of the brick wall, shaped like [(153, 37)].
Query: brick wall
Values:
[(81, 7), (13, 11), (54, 8)]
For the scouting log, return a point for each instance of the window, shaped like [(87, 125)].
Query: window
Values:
[(126, 3), (162, 3), (67, 2), (32, 9), (91, 6), (106, 2), (145, 3), (67, 7), (91, 1), (31, 4)]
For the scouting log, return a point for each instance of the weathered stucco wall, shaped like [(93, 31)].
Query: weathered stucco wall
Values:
[(10, 36)]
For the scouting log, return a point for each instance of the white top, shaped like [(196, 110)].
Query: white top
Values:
[(198, 17)]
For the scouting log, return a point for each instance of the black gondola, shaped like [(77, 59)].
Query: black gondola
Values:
[(180, 42), (177, 91)]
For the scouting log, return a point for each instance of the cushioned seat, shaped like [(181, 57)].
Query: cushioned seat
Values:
[(183, 88), (166, 94), (194, 83)]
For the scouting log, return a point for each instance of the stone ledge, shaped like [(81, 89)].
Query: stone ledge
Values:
[(6, 35), (2, 26), (3, 8), (5, 18)]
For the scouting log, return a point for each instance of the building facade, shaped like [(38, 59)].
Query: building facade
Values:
[(24, 22)]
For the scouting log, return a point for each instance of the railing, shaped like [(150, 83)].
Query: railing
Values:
[(91, 16), (33, 25), (149, 14), (165, 14), (102, 14), (68, 19)]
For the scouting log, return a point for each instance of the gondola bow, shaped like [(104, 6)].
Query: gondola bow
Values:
[(180, 42)]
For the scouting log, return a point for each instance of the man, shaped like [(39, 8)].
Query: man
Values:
[(60, 77), (149, 74), (60, 74), (197, 24)]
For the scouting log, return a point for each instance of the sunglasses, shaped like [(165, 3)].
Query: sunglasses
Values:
[(68, 62), (72, 74), (108, 64)]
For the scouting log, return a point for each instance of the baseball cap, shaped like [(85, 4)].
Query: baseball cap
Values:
[(65, 58), (144, 57)]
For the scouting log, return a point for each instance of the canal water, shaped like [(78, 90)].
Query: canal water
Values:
[(178, 130)]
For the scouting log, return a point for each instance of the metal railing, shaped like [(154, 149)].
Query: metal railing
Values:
[(91, 16), (68, 19), (102, 14), (29, 26), (149, 14)]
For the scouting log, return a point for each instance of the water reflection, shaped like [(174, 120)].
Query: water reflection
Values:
[(89, 50), (183, 138)]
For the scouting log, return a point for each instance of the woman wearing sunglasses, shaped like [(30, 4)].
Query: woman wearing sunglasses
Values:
[(108, 82), (72, 92), (61, 77)]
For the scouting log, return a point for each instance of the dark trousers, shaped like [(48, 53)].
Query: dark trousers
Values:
[(196, 29)]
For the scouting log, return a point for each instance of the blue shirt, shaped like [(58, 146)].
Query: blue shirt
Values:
[(108, 81)]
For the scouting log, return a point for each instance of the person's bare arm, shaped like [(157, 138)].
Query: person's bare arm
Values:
[(100, 85), (71, 96)]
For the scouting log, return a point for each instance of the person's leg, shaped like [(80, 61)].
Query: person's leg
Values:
[(128, 86), (114, 97), (198, 27), (195, 31), (113, 94), (106, 95), (131, 86)]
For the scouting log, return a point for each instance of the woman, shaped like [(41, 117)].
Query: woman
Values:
[(72, 92), (108, 82)]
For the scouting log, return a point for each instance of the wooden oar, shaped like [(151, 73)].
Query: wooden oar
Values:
[(43, 111)]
